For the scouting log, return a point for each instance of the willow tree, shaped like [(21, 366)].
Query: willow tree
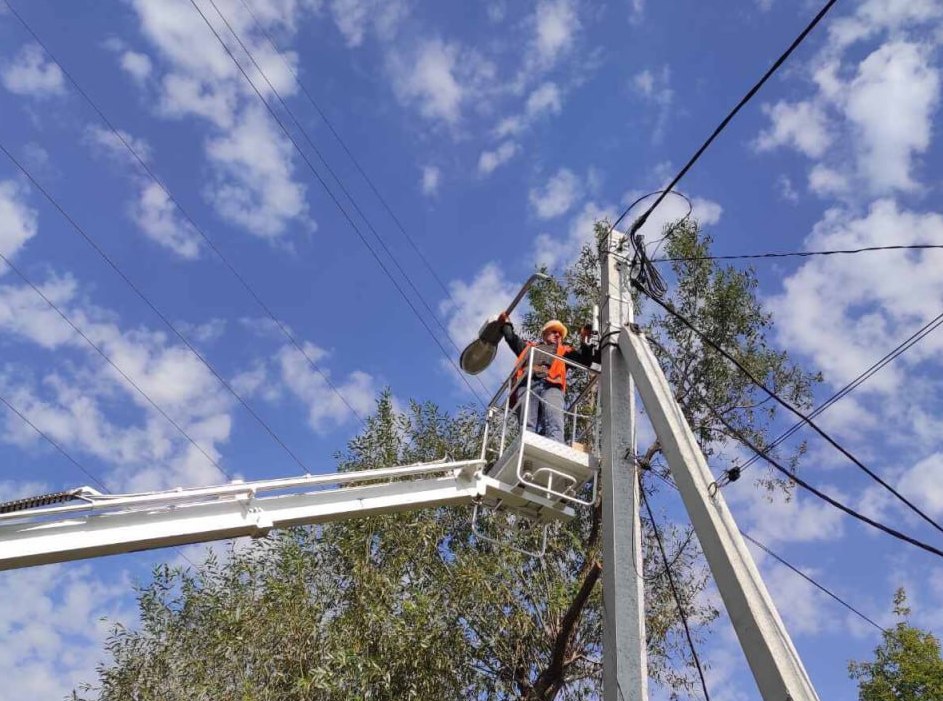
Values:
[(413, 605), (907, 665)]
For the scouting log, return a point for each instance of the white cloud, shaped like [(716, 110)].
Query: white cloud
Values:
[(355, 17), (18, 221), (844, 312), (32, 74), (152, 209), (430, 180), (74, 402), (470, 304), (329, 401), (489, 161), (557, 196), (923, 484), (431, 79), (325, 405), (891, 102), (556, 23), (254, 185), (872, 17), (545, 99), (253, 182), (786, 189), (763, 513), (825, 181), (554, 252), (157, 216), (655, 88), (802, 125), (136, 65), (51, 623)]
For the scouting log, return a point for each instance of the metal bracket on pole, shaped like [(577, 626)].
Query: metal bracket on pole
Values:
[(769, 651)]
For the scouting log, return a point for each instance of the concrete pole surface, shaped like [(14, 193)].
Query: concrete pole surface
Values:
[(625, 667), (772, 657)]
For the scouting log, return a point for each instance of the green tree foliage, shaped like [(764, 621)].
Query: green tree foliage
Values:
[(907, 664), (412, 606)]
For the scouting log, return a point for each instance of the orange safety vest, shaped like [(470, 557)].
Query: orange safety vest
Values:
[(557, 372)]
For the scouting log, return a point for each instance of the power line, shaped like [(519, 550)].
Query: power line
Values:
[(888, 358), (806, 254), (738, 435), (330, 170), (743, 101), (674, 590), (782, 560), (107, 359), (53, 443), (212, 245), (343, 145), (812, 581), (144, 298), (779, 400), (335, 200), (71, 459)]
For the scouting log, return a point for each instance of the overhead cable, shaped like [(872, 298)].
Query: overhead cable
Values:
[(888, 358), (343, 145), (51, 441), (674, 590), (336, 201), (112, 363), (769, 551), (805, 254), (779, 400), (186, 215), (153, 307), (637, 224), (304, 132), (812, 581), (45, 436), (791, 476)]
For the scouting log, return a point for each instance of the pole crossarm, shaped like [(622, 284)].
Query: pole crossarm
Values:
[(111, 524), (772, 657)]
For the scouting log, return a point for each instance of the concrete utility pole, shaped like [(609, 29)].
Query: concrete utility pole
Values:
[(772, 657), (625, 667)]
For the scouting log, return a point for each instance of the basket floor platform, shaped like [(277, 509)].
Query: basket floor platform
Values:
[(553, 470)]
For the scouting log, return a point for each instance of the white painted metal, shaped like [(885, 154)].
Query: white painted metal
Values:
[(625, 663), (546, 465), (772, 657), (114, 524)]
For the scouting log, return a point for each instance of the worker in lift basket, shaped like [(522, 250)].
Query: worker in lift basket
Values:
[(548, 385)]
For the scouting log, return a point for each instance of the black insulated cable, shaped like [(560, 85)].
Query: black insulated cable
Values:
[(779, 400), (637, 224)]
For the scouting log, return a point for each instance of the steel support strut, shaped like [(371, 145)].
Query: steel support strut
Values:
[(769, 651), (625, 667)]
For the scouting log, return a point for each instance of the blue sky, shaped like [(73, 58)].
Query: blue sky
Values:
[(496, 132)]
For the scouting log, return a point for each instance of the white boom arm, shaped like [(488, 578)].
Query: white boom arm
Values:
[(110, 524)]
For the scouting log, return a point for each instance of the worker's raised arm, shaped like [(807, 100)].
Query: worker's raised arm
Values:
[(515, 342), (587, 353)]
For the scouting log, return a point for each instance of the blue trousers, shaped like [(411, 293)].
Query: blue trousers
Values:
[(545, 411)]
